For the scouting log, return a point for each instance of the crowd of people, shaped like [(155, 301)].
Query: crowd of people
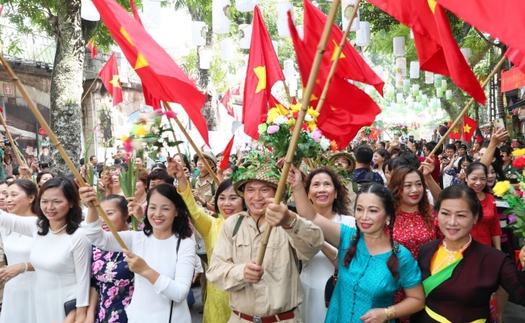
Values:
[(379, 232)]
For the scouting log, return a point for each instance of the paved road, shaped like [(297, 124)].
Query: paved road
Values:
[(513, 313)]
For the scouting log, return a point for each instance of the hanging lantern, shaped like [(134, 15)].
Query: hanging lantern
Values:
[(467, 54), (276, 47), (448, 94), (289, 69), (414, 70), (245, 5), (300, 31), (292, 85), (399, 80), (399, 46), (282, 19), (151, 14), (444, 84), (439, 92), (348, 7), (205, 59), (198, 32), (221, 16), (437, 80), (227, 49), (88, 11), (399, 98), (363, 34), (245, 32), (424, 100), (401, 66), (406, 86), (429, 77), (415, 90)]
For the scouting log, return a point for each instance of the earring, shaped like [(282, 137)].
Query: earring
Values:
[(387, 222)]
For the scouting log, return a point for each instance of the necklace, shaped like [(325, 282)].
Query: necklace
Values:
[(451, 256), (59, 230), (204, 176)]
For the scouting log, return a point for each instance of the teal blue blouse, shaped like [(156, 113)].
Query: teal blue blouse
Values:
[(367, 283)]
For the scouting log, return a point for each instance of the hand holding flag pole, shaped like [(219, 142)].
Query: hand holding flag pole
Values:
[(58, 146), (297, 130), (197, 150), (337, 55), (465, 109)]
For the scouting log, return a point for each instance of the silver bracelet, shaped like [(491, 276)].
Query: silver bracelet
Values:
[(336, 254), (25, 263)]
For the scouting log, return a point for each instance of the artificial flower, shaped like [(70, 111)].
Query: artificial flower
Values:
[(501, 188), (308, 118), (127, 145), (263, 118), (519, 162), (290, 122), (139, 130), (273, 114), (312, 125), (333, 145), (518, 152), (137, 144), (295, 107), (262, 128), (312, 112), (280, 120), (325, 143), (316, 135), (170, 114), (272, 129)]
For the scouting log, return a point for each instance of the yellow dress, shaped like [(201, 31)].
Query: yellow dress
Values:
[(217, 309)]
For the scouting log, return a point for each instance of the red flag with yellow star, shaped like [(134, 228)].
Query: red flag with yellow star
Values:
[(164, 79), (111, 78), (516, 57), (374, 133), (456, 133), (226, 154), (262, 73), (227, 103), (92, 46), (341, 116), (351, 65), (437, 50), (469, 128)]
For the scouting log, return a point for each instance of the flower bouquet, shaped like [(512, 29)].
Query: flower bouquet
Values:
[(399, 130)]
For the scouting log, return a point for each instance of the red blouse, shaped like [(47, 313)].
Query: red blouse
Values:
[(411, 231), (489, 226)]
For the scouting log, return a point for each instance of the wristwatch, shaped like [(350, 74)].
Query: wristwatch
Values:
[(292, 224)]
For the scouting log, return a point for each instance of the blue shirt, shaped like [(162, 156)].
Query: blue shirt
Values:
[(360, 174), (367, 283)]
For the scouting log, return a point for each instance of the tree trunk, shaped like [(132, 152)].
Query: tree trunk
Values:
[(66, 85)]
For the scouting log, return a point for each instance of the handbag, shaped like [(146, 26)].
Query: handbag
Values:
[(70, 306), (329, 288)]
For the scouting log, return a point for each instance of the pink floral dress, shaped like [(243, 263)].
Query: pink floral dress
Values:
[(113, 281)]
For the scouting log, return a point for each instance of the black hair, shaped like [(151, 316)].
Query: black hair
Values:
[(505, 149), (476, 165), (29, 188), (41, 174), (159, 165), (461, 192), (451, 146), (388, 202), (364, 155), (464, 159), (181, 223), (159, 174), (383, 153), (221, 188), (70, 191), (186, 162), (122, 204), (339, 204), (431, 145), (91, 157)]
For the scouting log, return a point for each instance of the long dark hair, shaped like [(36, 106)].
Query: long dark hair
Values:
[(227, 183), (387, 200), (476, 165), (339, 204), (70, 191), (461, 192), (29, 189), (181, 224)]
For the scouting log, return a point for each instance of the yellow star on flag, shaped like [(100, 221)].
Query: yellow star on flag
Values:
[(260, 71), (336, 48), (432, 4), (141, 61), (455, 130), (115, 81), (467, 128)]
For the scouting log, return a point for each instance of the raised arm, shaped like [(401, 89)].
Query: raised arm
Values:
[(498, 135)]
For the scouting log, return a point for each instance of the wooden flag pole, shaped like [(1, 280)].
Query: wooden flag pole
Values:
[(469, 104), (89, 89), (337, 55), (197, 150), (58, 146), (300, 119), (13, 145)]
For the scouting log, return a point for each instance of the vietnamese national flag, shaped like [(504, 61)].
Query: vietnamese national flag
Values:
[(227, 103), (351, 65), (469, 128), (501, 19), (437, 49), (226, 154), (455, 133), (342, 116), (516, 57), (164, 79), (111, 78), (92, 46), (374, 133), (262, 73), (236, 90)]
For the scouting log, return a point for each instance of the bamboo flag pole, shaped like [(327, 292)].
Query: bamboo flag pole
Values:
[(336, 56), (297, 130), (13, 146), (92, 83), (197, 150), (173, 133), (469, 104), (58, 146)]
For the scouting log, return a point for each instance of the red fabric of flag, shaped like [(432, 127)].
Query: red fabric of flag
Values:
[(111, 78), (455, 133), (516, 57), (437, 50), (469, 128), (227, 103), (262, 73), (374, 133), (501, 19), (226, 154), (156, 68), (351, 65), (342, 116), (92, 46)]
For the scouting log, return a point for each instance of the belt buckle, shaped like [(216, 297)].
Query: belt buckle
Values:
[(257, 319)]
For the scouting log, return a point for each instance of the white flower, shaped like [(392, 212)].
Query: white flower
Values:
[(137, 144), (308, 118), (325, 143), (280, 120)]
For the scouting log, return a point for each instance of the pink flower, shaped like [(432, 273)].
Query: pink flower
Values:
[(272, 129), (97, 253), (127, 145), (113, 291), (126, 301), (101, 314), (114, 317), (317, 134), (97, 265), (170, 114), (108, 256), (122, 282), (107, 303)]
